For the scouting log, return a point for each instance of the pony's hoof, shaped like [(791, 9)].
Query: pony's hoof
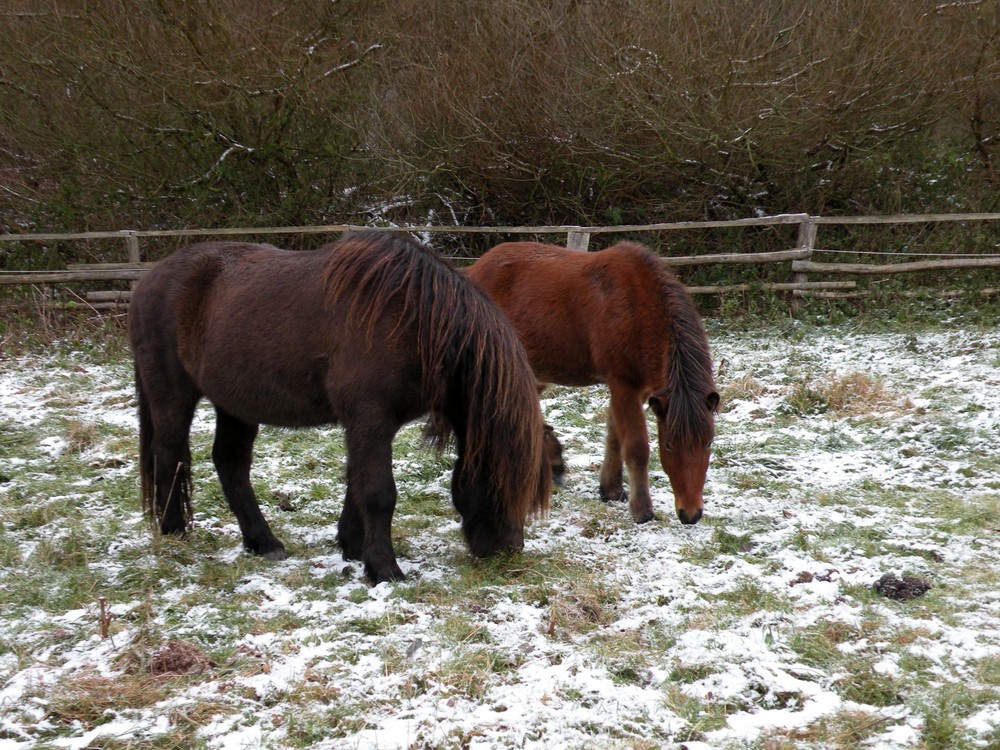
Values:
[(349, 551), (389, 573), (270, 552), (644, 517), (614, 496)]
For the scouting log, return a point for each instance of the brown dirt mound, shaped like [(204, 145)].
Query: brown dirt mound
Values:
[(902, 589), (179, 657)]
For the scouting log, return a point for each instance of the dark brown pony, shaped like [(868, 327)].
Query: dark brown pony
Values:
[(371, 332), (617, 316)]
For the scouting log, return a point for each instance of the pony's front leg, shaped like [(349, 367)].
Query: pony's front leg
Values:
[(232, 453), (370, 503), (633, 436)]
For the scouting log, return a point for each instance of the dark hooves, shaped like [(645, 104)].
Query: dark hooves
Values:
[(616, 496), (349, 551), (645, 517), (275, 554), (391, 573), (270, 552)]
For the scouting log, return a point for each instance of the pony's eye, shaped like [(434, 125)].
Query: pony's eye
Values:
[(667, 447)]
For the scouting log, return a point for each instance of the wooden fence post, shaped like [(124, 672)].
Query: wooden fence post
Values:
[(132, 247), (806, 241), (132, 251), (577, 240)]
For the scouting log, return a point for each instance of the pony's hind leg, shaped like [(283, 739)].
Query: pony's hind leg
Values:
[(365, 526), (633, 437), (165, 455), (351, 528), (232, 453), (611, 479)]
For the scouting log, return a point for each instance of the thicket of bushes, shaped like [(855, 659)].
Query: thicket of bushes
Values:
[(150, 114)]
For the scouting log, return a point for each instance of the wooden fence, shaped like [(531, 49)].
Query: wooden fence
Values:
[(803, 266)]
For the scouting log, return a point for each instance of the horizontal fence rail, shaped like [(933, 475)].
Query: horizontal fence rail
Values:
[(801, 257), (808, 266)]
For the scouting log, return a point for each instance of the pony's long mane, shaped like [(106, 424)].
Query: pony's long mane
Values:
[(689, 366), (467, 348)]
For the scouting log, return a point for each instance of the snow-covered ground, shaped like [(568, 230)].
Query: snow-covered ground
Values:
[(840, 456)]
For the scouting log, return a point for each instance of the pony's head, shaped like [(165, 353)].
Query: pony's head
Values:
[(685, 427), (554, 455), (488, 525)]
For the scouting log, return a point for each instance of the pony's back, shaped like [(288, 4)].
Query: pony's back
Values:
[(582, 315)]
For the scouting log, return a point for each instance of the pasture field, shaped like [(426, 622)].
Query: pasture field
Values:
[(841, 456)]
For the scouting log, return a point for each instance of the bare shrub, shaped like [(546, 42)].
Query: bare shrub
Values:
[(519, 111), (594, 111), (225, 109)]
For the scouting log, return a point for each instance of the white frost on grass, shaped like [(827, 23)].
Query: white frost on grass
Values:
[(676, 639)]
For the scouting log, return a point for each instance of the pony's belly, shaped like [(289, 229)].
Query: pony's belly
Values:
[(288, 417), (573, 378), (566, 359), (564, 372), (280, 417), (281, 407)]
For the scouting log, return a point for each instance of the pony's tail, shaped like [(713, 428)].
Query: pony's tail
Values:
[(147, 464)]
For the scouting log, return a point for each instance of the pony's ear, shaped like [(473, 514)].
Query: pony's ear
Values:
[(712, 401), (658, 403)]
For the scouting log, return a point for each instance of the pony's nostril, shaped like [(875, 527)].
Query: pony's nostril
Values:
[(689, 519)]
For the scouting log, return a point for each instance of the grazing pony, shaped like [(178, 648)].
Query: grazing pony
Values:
[(371, 332), (617, 316)]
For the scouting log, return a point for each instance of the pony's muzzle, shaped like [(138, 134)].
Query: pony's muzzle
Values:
[(512, 539), (482, 543), (689, 518)]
